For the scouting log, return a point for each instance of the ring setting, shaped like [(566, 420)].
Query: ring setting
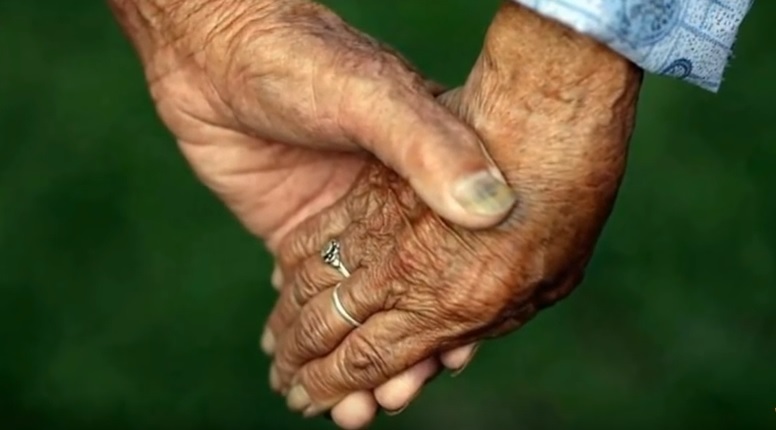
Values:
[(331, 256)]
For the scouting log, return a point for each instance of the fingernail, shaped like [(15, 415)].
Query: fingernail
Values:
[(484, 194), (267, 342), (396, 412), (274, 378), (313, 411), (297, 399), (403, 408), (468, 361), (277, 278)]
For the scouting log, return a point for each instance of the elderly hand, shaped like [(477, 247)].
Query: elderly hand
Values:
[(556, 111), (266, 98)]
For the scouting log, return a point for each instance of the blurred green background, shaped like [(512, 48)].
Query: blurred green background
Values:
[(130, 298)]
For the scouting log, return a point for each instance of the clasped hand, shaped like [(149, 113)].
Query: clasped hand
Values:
[(558, 127), (459, 216)]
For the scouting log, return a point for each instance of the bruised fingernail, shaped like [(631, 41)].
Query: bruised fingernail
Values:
[(297, 399), (274, 378), (395, 412), (277, 278), (268, 342), (484, 194), (466, 363)]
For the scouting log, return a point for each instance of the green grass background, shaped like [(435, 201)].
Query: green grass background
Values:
[(130, 298)]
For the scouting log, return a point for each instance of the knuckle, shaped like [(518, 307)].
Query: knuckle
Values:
[(291, 249), (276, 323), (462, 274), (312, 329), (354, 243), (284, 311), (273, 322), (284, 366), (277, 316), (374, 235), (486, 296), (375, 77), (381, 190), (306, 285), (424, 252), (472, 306), (303, 242), (502, 285), (384, 215), (377, 69), (307, 239), (364, 359)]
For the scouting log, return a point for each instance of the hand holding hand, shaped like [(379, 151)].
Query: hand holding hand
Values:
[(556, 111), (264, 96)]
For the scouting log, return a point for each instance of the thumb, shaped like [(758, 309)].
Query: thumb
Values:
[(441, 157)]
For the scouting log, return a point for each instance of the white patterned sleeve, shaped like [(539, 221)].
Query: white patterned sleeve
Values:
[(687, 39)]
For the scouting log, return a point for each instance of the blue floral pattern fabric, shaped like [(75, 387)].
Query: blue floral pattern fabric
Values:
[(688, 39)]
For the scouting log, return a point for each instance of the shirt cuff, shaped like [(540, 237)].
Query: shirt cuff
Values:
[(687, 39)]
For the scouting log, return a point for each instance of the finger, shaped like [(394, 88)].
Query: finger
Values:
[(310, 237), (274, 380), (310, 278), (313, 275), (441, 157), (396, 394), (277, 278), (319, 328), (387, 344), (356, 411), (459, 358), (283, 313), (267, 341)]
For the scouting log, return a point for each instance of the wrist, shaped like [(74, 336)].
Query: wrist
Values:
[(552, 105), (542, 57)]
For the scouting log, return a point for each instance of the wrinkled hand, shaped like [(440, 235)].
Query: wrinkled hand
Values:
[(261, 93), (273, 104), (556, 112)]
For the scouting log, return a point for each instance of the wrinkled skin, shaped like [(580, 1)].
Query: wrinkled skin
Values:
[(275, 105), (557, 121)]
